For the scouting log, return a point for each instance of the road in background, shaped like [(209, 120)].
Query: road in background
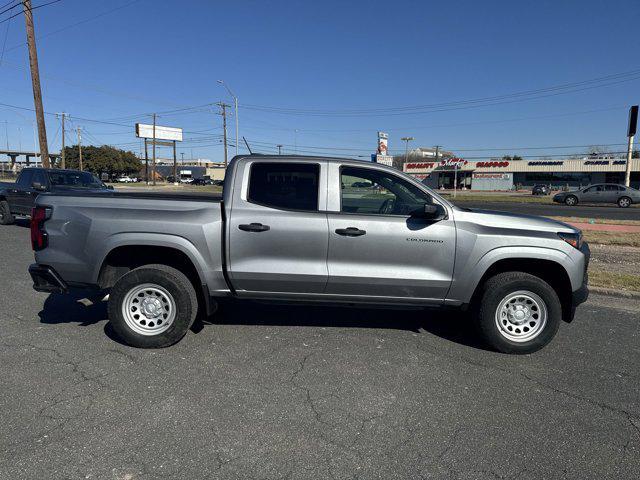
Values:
[(300, 392), (554, 210)]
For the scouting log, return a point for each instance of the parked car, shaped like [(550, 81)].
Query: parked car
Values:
[(19, 198), (362, 184), (126, 179), (540, 190), (202, 181), (186, 180), (284, 230), (218, 183), (601, 193)]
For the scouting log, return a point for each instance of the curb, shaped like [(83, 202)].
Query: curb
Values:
[(614, 293)]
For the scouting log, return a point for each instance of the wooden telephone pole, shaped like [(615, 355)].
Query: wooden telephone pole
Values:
[(224, 128), (79, 149), (35, 82), (63, 162)]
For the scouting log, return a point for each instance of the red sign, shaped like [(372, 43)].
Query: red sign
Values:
[(420, 165), (492, 164)]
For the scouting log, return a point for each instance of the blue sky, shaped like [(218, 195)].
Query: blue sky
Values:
[(329, 58)]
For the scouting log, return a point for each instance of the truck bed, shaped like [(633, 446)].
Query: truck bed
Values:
[(85, 228)]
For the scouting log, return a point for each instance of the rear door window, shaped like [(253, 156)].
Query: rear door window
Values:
[(38, 176), (285, 185)]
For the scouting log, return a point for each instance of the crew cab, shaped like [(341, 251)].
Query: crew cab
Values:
[(19, 198), (285, 230)]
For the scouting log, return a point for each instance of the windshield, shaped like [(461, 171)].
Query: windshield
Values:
[(75, 180)]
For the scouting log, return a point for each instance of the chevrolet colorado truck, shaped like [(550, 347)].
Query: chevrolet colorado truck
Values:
[(19, 198), (309, 229)]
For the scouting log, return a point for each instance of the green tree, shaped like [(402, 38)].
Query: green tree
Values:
[(104, 159)]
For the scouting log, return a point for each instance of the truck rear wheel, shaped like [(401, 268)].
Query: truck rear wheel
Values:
[(519, 313), (152, 306), (5, 213)]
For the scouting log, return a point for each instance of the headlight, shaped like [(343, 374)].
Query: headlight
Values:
[(573, 239)]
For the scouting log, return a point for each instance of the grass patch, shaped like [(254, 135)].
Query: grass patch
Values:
[(597, 221), (515, 198), (616, 281), (612, 238)]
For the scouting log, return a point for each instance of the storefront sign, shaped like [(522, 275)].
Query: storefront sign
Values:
[(419, 165), (453, 162), (420, 176), (494, 176), (545, 163), (597, 162), (499, 164)]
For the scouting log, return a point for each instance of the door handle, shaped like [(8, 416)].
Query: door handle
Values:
[(351, 232), (254, 227)]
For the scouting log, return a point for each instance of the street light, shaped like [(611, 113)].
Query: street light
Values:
[(406, 149), (235, 103)]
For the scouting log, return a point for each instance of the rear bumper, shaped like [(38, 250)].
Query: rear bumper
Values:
[(46, 279)]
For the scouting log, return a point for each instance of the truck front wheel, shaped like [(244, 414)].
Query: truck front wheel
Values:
[(152, 306), (519, 313), (5, 213)]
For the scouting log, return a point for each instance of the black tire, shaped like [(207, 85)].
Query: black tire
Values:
[(571, 200), (624, 202), (6, 218), (170, 280), (499, 288)]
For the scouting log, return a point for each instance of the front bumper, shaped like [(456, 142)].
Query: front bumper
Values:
[(46, 279)]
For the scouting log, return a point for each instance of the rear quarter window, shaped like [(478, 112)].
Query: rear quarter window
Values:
[(286, 186)]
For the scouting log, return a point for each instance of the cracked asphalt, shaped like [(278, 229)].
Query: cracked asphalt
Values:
[(272, 392)]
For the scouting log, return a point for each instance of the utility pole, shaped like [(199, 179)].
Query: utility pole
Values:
[(153, 165), (175, 163), (182, 155), (235, 103), (633, 122), (79, 149), (146, 161), (35, 83), (406, 148), (437, 147), (224, 128), (279, 149), (62, 154)]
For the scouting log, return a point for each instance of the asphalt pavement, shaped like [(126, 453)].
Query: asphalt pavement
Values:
[(612, 212), (275, 392)]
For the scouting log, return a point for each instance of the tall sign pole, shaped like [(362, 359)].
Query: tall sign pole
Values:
[(633, 123), (35, 83), (146, 162), (153, 166)]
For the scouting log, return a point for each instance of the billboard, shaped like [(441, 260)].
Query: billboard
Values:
[(173, 134), (383, 143)]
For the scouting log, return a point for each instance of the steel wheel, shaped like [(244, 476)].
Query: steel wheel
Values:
[(624, 202), (149, 309), (521, 316)]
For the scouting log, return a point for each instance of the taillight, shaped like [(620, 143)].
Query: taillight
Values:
[(39, 238)]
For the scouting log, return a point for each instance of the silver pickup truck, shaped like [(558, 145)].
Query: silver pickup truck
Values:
[(309, 229)]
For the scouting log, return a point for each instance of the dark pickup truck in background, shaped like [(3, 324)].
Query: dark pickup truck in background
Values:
[(19, 198)]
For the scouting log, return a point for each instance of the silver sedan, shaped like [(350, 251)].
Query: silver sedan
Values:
[(600, 193)]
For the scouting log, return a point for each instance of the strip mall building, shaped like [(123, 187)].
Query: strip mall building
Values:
[(507, 175)]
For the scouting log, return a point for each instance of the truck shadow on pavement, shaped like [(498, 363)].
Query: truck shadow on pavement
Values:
[(450, 325), (59, 308)]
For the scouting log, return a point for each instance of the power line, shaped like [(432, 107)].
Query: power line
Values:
[(571, 87), (30, 9)]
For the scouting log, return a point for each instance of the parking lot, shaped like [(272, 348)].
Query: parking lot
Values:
[(298, 392)]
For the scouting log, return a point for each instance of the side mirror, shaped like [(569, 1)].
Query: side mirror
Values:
[(430, 211), (38, 186)]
